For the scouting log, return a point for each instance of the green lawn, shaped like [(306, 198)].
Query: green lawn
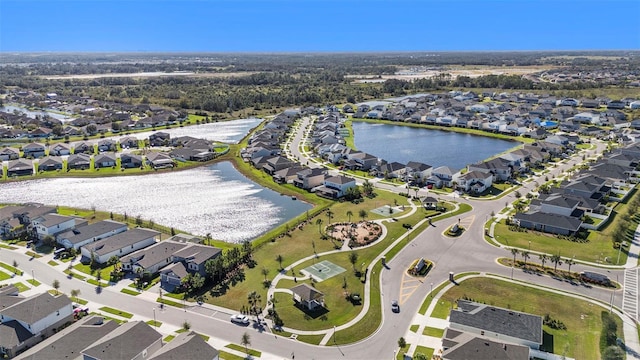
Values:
[(3, 246), (596, 249), (11, 268), (52, 263), (4, 276), (240, 348), (113, 311), (75, 275), (21, 287), (228, 356), (33, 282), (428, 352), (583, 320), (310, 339), (105, 272), (429, 331), (169, 338), (170, 302), (129, 292), (414, 328), (97, 283), (154, 323)]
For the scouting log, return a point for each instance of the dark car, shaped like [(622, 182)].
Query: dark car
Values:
[(395, 307)]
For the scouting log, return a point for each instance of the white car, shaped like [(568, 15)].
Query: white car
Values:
[(240, 319)]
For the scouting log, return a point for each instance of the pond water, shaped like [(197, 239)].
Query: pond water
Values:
[(432, 147), (215, 199), (230, 132), (32, 114)]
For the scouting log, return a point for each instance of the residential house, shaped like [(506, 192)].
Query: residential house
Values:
[(33, 150), (107, 145), (499, 167), (364, 160), (129, 142), (287, 175), (134, 340), (79, 161), (83, 147), (189, 260), (187, 345), (69, 342), (9, 153), (49, 163), (20, 167), (60, 149), (52, 224), (159, 139), (158, 160), (461, 345), (335, 187), (547, 222), (417, 171), (441, 176), (151, 259), (16, 219), (26, 322), (277, 163), (128, 161), (119, 244), (87, 234), (474, 182), (104, 160), (391, 169), (307, 296), (497, 323), (309, 178)]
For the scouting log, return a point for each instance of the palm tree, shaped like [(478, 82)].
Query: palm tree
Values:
[(254, 299), (279, 260), (56, 285), (319, 223), (514, 252), (245, 341), (569, 262), (207, 238), (363, 214), (349, 215), (556, 260), (543, 259), (525, 256), (264, 272), (75, 293)]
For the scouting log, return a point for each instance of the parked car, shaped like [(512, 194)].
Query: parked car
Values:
[(394, 306), (240, 319)]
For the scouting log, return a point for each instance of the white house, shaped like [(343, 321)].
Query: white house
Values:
[(90, 233), (120, 244), (52, 224), (475, 182), (336, 186)]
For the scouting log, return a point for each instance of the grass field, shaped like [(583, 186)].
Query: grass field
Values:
[(240, 348), (129, 292), (4, 276), (583, 320), (429, 331), (11, 268), (428, 352), (117, 312), (33, 282)]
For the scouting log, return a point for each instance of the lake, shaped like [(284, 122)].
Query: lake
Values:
[(32, 114), (230, 132), (432, 147), (215, 199)]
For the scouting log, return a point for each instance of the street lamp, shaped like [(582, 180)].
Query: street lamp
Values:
[(33, 277), (334, 334), (529, 245), (431, 290), (155, 323)]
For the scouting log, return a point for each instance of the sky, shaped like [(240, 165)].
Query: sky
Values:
[(317, 26)]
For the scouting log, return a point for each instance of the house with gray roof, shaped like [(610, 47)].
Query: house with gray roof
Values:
[(131, 340), (27, 322), (547, 222), (87, 234), (460, 345), (335, 187), (52, 224), (187, 345), (307, 296), (49, 163), (152, 258), (20, 167), (9, 153), (474, 182), (119, 245), (33, 150), (104, 160), (69, 342), (79, 161), (309, 178), (497, 323), (444, 174), (188, 260)]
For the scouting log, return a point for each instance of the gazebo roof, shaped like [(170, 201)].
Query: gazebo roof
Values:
[(307, 293)]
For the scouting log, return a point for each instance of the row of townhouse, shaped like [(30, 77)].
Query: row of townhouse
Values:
[(562, 209), (264, 153), (43, 326)]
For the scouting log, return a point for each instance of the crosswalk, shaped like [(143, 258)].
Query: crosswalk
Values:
[(630, 295)]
